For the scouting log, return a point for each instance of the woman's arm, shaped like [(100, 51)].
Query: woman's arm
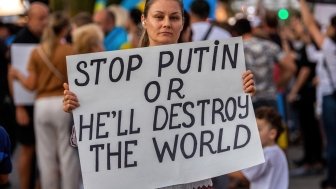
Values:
[(28, 82), (301, 79), (310, 23), (287, 70)]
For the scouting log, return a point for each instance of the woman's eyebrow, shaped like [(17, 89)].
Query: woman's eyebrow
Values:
[(161, 12)]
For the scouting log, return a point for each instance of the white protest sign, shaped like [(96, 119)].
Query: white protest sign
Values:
[(20, 54), (165, 115)]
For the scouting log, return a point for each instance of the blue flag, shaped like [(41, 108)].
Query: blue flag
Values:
[(212, 4), (129, 4)]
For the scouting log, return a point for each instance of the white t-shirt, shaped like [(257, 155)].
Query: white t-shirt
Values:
[(323, 88), (329, 52), (199, 30), (273, 174)]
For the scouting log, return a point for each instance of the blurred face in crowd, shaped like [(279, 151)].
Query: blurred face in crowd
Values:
[(297, 27), (38, 17), (4, 32), (103, 20), (266, 132), (163, 22)]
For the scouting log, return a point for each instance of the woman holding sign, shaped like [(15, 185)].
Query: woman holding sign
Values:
[(162, 21)]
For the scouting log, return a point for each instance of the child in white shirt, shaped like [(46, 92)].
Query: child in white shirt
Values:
[(273, 174)]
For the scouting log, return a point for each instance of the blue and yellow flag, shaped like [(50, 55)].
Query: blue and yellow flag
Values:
[(140, 4), (130, 4), (100, 5)]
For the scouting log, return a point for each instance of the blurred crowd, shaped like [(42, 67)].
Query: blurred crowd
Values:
[(292, 62)]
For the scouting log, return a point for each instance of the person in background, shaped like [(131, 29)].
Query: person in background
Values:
[(302, 96), (202, 28), (8, 32), (58, 161), (5, 158), (7, 108), (270, 29), (273, 174), (77, 21), (260, 57), (327, 43), (37, 20), (4, 31), (88, 38), (80, 19), (115, 36), (133, 27), (163, 22)]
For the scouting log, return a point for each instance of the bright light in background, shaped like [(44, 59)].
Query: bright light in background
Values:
[(268, 4), (251, 10), (11, 7), (232, 21), (283, 14)]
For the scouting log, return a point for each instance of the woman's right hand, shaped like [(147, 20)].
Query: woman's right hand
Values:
[(70, 101)]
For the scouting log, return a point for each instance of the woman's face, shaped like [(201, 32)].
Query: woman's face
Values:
[(164, 22)]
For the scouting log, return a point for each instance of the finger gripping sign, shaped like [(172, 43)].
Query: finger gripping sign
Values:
[(165, 115)]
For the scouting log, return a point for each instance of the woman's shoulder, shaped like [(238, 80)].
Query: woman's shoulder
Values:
[(66, 48)]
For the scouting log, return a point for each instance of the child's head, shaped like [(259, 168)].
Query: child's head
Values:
[(269, 125)]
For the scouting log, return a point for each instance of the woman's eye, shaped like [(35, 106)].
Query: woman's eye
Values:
[(158, 17), (175, 18)]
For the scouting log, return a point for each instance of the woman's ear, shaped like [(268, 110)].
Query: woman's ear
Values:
[(143, 21)]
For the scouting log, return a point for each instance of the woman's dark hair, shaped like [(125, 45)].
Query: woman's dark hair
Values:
[(186, 24), (272, 116), (242, 27), (135, 15), (271, 19), (200, 8), (144, 40), (333, 24)]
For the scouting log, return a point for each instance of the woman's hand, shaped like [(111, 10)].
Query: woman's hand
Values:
[(292, 97), (248, 82), (70, 101), (22, 117), (13, 73)]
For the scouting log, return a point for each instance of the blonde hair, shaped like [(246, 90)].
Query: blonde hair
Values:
[(57, 22), (144, 40), (86, 37)]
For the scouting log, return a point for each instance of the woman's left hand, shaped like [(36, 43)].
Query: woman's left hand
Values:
[(248, 82), (13, 73)]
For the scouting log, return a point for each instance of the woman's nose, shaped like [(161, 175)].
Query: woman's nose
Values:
[(166, 22)]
